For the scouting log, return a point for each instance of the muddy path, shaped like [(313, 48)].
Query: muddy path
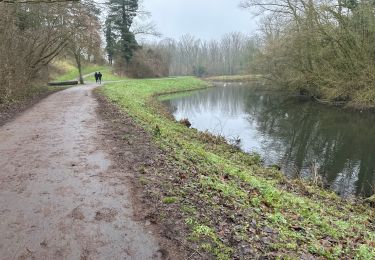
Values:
[(61, 197)]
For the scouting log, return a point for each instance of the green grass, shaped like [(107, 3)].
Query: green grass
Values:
[(70, 72), (108, 74), (174, 95), (169, 200), (226, 191)]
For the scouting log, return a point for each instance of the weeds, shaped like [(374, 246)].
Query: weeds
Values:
[(169, 200)]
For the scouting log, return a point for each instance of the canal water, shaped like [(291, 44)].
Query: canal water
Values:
[(298, 135)]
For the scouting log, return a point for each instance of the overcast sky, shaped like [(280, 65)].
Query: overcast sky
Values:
[(205, 19)]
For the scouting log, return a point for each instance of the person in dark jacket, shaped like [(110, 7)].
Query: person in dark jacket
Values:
[(100, 77), (96, 77)]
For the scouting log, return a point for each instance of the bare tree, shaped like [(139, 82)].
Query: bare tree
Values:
[(231, 55), (36, 1), (31, 36), (83, 27), (318, 46)]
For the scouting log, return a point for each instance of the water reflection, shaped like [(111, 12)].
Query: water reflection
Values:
[(290, 132)]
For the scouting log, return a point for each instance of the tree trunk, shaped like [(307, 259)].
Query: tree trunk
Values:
[(77, 57), (80, 74)]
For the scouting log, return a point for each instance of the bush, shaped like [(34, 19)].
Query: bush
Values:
[(146, 63)]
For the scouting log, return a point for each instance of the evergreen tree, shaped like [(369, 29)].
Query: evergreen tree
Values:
[(119, 21), (110, 39)]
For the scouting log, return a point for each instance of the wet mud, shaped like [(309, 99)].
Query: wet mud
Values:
[(61, 197)]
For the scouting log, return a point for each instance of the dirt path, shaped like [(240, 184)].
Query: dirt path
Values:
[(60, 198)]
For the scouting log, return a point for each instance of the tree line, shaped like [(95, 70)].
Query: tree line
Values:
[(322, 48), (319, 47), (33, 34), (192, 56)]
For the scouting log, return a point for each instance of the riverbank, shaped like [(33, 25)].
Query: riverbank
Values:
[(219, 201), (356, 103)]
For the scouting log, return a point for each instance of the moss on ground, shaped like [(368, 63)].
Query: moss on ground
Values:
[(233, 206)]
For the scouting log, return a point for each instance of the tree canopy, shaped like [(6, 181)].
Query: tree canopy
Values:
[(324, 48), (120, 39)]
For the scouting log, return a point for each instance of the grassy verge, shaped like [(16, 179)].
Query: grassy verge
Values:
[(232, 206), (107, 71), (70, 72)]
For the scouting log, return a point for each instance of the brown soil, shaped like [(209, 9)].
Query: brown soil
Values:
[(64, 195), (11, 110), (151, 174)]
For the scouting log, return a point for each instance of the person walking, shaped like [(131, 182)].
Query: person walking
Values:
[(100, 77), (96, 76)]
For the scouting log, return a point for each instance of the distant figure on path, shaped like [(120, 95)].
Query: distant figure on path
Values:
[(96, 77), (100, 77)]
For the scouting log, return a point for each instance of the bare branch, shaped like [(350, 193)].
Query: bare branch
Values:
[(35, 1)]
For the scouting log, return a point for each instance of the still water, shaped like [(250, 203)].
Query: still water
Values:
[(297, 135)]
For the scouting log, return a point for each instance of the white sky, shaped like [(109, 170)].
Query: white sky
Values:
[(205, 19)]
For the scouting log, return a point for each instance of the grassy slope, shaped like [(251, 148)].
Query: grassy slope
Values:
[(229, 201), (107, 72), (71, 72)]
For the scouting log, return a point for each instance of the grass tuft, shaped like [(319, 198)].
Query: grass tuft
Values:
[(169, 200)]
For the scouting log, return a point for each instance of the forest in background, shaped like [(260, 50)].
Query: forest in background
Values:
[(34, 34), (231, 55), (323, 48), (318, 48)]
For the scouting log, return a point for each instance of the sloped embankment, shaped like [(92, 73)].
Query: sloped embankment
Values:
[(218, 201)]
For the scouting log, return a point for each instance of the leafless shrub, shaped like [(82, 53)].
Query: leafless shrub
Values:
[(146, 63), (31, 36), (321, 47)]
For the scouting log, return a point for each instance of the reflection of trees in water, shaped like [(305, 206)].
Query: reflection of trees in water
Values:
[(303, 132), (345, 181), (230, 100), (340, 142)]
